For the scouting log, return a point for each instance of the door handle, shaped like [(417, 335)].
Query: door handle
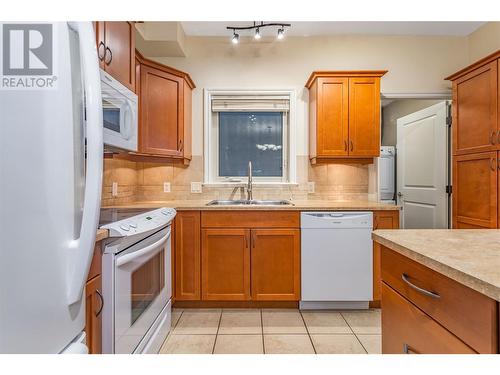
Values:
[(408, 350), (99, 54), (345, 145), (426, 292), (253, 240), (352, 145), (181, 147), (498, 164), (492, 137), (492, 164), (246, 241), (102, 302), (110, 56), (498, 136)]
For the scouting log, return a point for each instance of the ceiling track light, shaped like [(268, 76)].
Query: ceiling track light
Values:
[(235, 38), (258, 27)]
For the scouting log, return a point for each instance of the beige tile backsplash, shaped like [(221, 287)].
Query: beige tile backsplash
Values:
[(139, 181)]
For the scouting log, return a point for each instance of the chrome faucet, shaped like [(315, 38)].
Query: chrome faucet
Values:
[(249, 185)]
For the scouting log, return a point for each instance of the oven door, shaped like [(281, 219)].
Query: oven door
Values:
[(119, 107), (142, 288)]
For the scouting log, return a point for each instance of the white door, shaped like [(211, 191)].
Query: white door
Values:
[(422, 168)]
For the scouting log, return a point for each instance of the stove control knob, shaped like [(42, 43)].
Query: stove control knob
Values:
[(165, 212), (133, 225), (125, 227)]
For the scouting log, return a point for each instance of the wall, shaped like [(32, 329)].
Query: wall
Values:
[(396, 109), (415, 65), (484, 41)]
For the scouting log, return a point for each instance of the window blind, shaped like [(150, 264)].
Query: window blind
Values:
[(251, 103)]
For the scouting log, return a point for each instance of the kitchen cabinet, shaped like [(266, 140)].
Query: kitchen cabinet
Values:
[(225, 264), (94, 303), (344, 115), (476, 144), (424, 311), (475, 192), (381, 220), (275, 264), (164, 110), (93, 314), (187, 256), (116, 50)]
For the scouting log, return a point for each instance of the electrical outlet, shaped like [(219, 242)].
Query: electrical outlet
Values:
[(166, 187), (310, 187), (114, 189), (196, 187)]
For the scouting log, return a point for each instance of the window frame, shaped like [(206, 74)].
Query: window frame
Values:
[(211, 140)]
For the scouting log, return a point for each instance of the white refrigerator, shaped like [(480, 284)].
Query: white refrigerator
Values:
[(51, 150)]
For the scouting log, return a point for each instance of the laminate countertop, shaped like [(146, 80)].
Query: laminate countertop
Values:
[(468, 256), (101, 235), (299, 205)]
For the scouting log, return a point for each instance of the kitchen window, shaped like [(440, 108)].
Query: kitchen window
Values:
[(243, 127)]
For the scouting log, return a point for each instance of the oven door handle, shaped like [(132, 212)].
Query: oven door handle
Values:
[(127, 258)]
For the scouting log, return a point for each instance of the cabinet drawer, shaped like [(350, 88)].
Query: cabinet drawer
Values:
[(250, 219), (406, 329), (466, 313)]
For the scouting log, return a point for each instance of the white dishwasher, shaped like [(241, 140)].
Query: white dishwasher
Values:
[(336, 260)]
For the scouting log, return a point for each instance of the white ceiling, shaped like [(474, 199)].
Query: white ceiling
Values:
[(337, 28)]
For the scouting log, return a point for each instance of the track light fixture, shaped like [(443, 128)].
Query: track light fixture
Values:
[(258, 27), (236, 38)]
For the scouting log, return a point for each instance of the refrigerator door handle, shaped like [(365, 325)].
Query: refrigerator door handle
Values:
[(81, 253)]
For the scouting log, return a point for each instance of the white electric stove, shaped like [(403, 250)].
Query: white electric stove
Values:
[(137, 286)]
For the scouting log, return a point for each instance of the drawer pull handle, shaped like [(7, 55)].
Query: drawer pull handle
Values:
[(101, 304), (418, 289), (408, 350)]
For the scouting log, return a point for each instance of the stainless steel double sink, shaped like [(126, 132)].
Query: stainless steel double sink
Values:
[(244, 202)]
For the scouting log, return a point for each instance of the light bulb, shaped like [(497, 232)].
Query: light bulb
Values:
[(257, 34), (281, 33), (236, 38)]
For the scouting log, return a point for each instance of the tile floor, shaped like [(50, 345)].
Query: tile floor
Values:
[(273, 331)]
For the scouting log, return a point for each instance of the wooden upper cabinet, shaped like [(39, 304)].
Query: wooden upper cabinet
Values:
[(364, 117), (344, 115), (330, 132), (187, 256), (475, 114), (475, 190), (275, 264), (164, 110), (225, 264), (116, 50)]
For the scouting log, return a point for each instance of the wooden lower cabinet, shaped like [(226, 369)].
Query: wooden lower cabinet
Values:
[(225, 264), (187, 256), (381, 220), (275, 264), (93, 314), (408, 330)]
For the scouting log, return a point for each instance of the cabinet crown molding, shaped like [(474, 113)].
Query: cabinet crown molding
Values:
[(485, 60), (343, 73)]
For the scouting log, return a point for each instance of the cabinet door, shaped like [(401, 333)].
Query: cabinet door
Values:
[(225, 260), (93, 315), (407, 330), (161, 112), (475, 190), (275, 264), (381, 220), (333, 117), (119, 57), (187, 256), (475, 111), (364, 117)]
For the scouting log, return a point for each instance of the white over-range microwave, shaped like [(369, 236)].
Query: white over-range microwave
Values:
[(119, 106)]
